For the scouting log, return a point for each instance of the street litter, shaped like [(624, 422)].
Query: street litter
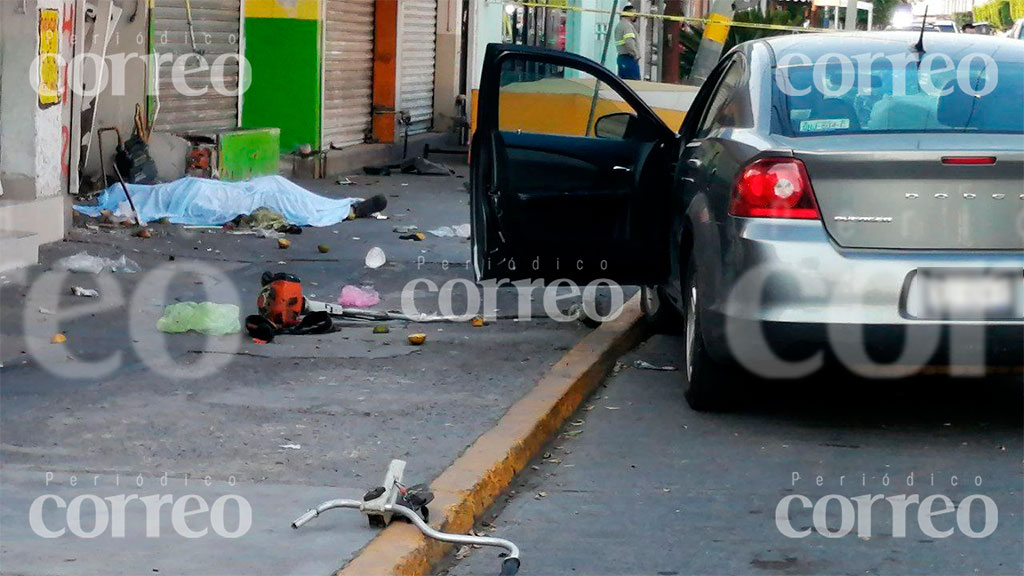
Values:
[(648, 366), (405, 229), (346, 182), (417, 339), (58, 338), (415, 236), (284, 243), (457, 231), (323, 248), (381, 329), (205, 317), (478, 322), (290, 446), (200, 201), (46, 311), (84, 262), (84, 292), (356, 297), (375, 258)]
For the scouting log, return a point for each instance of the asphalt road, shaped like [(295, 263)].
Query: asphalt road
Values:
[(638, 483), (284, 426)]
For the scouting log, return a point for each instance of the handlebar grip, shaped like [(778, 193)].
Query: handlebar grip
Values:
[(510, 567), (309, 515)]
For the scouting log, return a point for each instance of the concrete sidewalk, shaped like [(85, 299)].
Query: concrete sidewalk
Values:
[(283, 426)]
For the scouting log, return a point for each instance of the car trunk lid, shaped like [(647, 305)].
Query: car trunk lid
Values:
[(899, 193)]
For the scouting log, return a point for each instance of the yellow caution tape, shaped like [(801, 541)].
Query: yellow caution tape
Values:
[(711, 23)]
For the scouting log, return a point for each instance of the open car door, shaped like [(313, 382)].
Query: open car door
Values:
[(571, 172)]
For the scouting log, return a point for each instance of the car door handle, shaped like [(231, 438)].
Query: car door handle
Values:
[(694, 163), (623, 169)]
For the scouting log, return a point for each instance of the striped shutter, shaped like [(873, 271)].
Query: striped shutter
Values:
[(417, 37), (216, 25), (348, 72)]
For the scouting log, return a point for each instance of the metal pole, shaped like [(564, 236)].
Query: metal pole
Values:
[(604, 55)]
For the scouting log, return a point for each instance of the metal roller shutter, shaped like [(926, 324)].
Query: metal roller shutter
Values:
[(417, 38), (216, 25), (348, 72)]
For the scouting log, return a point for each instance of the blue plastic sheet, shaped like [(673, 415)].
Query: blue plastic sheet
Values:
[(202, 202)]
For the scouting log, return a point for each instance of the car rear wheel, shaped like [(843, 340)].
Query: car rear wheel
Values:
[(706, 381)]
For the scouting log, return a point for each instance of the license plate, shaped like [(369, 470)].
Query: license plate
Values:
[(980, 294)]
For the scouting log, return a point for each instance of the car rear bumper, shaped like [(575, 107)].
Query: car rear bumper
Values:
[(790, 285)]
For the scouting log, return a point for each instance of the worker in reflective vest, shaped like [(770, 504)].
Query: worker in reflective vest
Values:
[(626, 45)]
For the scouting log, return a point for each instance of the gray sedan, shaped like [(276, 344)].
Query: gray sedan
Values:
[(851, 199)]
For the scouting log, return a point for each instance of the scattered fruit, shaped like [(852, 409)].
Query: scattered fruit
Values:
[(417, 339), (284, 243), (144, 233), (479, 321), (58, 338), (323, 248), (381, 329)]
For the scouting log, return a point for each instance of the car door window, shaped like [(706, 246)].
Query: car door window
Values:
[(721, 106), (536, 98)]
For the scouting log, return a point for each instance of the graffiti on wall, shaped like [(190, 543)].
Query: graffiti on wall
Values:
[(49, 57)]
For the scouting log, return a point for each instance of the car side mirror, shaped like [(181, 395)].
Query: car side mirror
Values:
[(614, 126)]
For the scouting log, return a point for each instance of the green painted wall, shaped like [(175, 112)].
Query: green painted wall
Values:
[(285, 93)]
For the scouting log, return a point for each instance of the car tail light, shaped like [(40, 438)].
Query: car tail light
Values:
[(774, 188)]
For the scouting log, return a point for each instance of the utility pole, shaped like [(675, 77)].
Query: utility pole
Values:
[(711, 45), (851, 14)]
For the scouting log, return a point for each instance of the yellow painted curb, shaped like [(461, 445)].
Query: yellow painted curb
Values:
[(487, 468)]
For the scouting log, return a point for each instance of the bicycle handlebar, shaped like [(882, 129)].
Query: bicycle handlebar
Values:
[(509, 567)]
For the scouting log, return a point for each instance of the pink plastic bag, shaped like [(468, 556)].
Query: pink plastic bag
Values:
[(355, 297)]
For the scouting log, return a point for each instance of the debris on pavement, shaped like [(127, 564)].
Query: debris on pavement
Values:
[(417, 339), (144, 233), (86, 263), (284, 243), (323, 248), (205, 317), (375, 258), (346, 181), (290, 446), (463, 552), (381, 329), (457, 231), (415, 236), (358, 297), (642, 365), (84, 292), (478, 321), (58, 338), (405, 229)]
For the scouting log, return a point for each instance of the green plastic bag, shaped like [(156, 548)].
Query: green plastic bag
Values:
[(204, 317)]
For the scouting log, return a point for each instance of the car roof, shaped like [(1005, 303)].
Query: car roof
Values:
[(814, 45)]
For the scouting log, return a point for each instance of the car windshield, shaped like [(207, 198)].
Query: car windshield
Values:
[(937, 94)]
